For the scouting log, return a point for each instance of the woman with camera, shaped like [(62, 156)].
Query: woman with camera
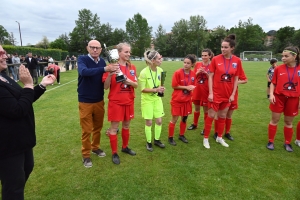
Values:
[(150, 80), (121, 100), (183, 83)]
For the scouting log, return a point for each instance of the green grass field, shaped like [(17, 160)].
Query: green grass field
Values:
[(245, 170)]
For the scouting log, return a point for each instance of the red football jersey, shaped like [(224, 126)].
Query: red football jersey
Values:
[(121, 93), (201, 90), (243, 77), (182, 79), (225, 70), (286, 80)]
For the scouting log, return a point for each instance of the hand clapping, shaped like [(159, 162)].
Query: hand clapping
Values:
[(48, 80), (25, 77)]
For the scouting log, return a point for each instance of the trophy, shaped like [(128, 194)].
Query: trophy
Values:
[(113, 57), (162, 81)]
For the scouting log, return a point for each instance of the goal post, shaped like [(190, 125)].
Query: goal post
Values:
[(256, 55)]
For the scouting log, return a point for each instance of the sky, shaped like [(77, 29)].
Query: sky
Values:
[(55, 17)]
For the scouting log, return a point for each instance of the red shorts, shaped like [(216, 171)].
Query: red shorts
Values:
[(197, 102), (288, 105), (233, 106), (218, 106), (119, 113), (204, 103), (181, 109)]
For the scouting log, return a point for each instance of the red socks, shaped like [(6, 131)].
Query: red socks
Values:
[(182, 128), (272, 132), (228, 123), (171, 129), (208, 123), (205, 115), (298, 131), (125, 137), (196, 118), (113, 143), (288, 134), (221, 125), (216, 125)]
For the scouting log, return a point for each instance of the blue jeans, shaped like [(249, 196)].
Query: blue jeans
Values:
[(12, 71)]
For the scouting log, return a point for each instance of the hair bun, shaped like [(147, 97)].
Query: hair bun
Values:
[(231, 36)]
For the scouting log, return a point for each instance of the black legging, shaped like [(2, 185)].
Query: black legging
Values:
[(14, 172), (58, 76)]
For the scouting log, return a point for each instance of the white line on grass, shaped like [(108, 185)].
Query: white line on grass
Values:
[(61, 85)]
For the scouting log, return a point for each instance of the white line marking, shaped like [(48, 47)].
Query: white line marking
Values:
[(61, 85)]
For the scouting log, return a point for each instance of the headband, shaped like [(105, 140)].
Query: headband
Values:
[(292, 52), (154, 56)]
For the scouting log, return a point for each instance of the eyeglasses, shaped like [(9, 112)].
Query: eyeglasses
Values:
[(2, 53), (93, 48)]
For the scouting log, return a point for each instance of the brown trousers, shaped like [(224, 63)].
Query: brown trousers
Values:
[(91, 121)]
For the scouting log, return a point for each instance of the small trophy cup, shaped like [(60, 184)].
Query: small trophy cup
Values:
[(162, 81), (113, 57)]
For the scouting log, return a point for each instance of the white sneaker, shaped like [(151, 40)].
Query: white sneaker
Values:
[(222, 142), (297, 142), (206, 143)]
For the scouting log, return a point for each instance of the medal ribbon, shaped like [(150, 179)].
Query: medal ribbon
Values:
[(152, 77), (185, 83), (227, 68), (206, 68), (287, 70)]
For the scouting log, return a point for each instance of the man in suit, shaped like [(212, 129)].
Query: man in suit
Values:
[(32, 65)]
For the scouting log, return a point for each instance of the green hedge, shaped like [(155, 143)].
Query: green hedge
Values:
[(56, 54)]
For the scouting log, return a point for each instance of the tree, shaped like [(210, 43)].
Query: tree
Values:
[(118, 35), (188, 35), (59, 43), (296, 38), (283, 38), (4, 35), (86, 29), (104, 35), (215, 38), (139, 34), (250, 37), (44, 43), (161, 41), (11, 39)]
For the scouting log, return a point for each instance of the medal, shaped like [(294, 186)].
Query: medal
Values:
[(290, 78), (225, 67), (186, 92)]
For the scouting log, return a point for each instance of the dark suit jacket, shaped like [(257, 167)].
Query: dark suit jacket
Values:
[(17, 126), (31, 65)]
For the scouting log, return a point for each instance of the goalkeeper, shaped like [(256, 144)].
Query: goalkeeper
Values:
[(151, 103)]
